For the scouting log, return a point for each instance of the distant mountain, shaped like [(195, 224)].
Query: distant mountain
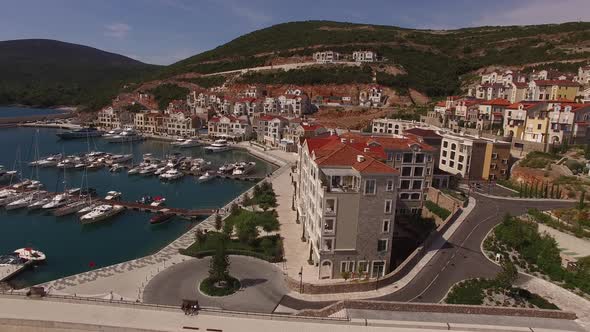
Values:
[(44, 72), (434, 60)]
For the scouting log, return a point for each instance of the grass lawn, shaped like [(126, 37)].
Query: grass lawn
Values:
[(538, 159)]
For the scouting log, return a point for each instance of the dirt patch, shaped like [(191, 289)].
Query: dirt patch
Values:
[(349, 118)]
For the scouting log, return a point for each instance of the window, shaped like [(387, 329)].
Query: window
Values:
[(451, 163), (370, 187), (493, 166), (408, 157), (415, 196), (539, 126), (452, 154), (453, 146), (417, 184), (444, 153), (459, 166), (389, 156), (388, 206), (330, 206), (418, 171), (363, 267), (389, 186), (385, 227), (461, 158), (406, 171), (505, 161), (443, 161), (428, 170), (405, 184), (329, 225), (382, 245), (404, 196), (494, 156), (419, 158), (328, 245), (398, 157), (429, 158), (445, 144), (378, 269), (346, 266)]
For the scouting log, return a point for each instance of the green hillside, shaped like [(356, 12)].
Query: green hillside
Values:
[(47, 72), (433, 60)]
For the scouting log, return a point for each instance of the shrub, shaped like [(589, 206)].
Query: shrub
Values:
[(437, 210), (208, 286)]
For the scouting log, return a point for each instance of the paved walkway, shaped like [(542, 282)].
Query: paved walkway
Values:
[(263, 285), (568, 244)]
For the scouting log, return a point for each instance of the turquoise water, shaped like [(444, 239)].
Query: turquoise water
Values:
[(70, 246), (9, 112)]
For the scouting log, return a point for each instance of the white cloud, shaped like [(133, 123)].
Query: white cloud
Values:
[(538, 12), (117, 30)]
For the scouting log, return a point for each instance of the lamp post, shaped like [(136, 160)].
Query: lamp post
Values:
[(301, 281)]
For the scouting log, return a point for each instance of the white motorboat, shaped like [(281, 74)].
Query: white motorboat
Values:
[(113, 195), (101, 212), (227, 168), (87, 209), (244, 168), (6, 193), (177, 142), (30, 254), (171, 174), (39, 202), (11, 198), (7, 176), (70, 208), (115, 168), (57, 201), (205, 177), (35, 184), (218, 146), (95, 166), (112, 133), (66, 163), (121, 158), (161, 170), (148, 170), (188, 143), (128, 135), (134, 170), (158, 201)]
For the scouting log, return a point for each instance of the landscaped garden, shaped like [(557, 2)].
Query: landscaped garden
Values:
[(437, 209), (520, 242), (241, 232)]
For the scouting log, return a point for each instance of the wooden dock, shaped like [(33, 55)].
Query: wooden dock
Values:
[(188, 213)]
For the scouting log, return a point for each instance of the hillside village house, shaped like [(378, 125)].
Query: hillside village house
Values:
[(517, 91), (148, 121), (364, 56), (294, 103), (552, 90), (475, 159), (296, 131), (326, 56), (110, 118), (180, 124), (269, 129), (373, 97), (230, 127), (583, 76), (345, 200), (394, 126)]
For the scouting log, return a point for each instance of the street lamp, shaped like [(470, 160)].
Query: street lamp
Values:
[(301, 281)]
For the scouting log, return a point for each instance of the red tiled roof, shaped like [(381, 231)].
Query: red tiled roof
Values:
[(441, 104), (388, 143), (526, 105), (341, 154), (496, 102), (421, 132), (310, 127), (520, 84)]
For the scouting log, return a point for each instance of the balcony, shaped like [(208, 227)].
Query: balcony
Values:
[(342, 184)]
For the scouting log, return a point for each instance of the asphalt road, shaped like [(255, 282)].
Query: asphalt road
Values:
[(262, 285), (459, 259)]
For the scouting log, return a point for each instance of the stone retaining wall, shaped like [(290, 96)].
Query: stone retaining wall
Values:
[(440, 308)]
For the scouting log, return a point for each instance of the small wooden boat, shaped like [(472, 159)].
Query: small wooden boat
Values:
[(161, 218)]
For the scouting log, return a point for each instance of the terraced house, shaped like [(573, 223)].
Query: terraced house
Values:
[(345, 200)]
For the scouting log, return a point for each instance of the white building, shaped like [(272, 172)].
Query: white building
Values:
[(394, 126), (364, 56), (230, 127), (326, 57)]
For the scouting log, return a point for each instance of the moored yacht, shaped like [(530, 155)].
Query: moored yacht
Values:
[(218, 146), (113, 195), (22, 202), (80, 133), (244, 168), (56, 201), (171, 174), (128, 135), (30, 255), (205, 177), (70, 208), (101, 212), (188, 143)]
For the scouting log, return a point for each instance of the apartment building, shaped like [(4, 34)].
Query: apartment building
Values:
[(394, 126), (552, 90), (296, 131), (346, 202), (230, 127), (474, 158), (148, 121), (294, 103), (326, 56), (109, 118), (364, 56), (181, 124), (413, 158)]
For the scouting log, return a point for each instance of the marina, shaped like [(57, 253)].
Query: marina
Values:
[(74, 247)]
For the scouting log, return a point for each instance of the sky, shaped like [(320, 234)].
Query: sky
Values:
[(166, 31)]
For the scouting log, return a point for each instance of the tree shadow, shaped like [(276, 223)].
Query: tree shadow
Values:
[(252, 282)]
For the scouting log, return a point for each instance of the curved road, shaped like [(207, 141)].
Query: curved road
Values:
[(459, 259), (262, 285)]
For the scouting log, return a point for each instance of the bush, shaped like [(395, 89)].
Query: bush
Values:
[(208, 287), (438, 210)]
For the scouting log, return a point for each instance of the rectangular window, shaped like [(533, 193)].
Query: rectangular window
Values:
[(461, 158), (346, 266), (452, 163), (539, 126), (386, 224), (429, 158), (419, 158), (363, 267), (494, 156), (452, 154), (389, 156), (406, 171), (389, 186), (404, 196), (370, 187), (443, 161), (428, 171), (329, 225), (418, 171), (408, 157), (444, 153), (417, 184), (378, 269), (445, 144), (505, 161), (388, 206), (405, 184), (382, 245), (398, 157), (328, 245)]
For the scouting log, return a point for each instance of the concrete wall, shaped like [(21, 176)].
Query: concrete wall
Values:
[(443, 200)]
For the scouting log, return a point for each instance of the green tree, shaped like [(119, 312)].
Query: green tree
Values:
[(218, 222), (247, 231), (200, 236), (219, 264), (508, 275)]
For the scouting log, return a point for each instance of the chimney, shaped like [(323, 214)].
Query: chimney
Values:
[(351, 140), (360, 158), (366, 150), (343, 140)]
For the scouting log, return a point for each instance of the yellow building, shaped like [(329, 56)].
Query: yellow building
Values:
[(536, 129)]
